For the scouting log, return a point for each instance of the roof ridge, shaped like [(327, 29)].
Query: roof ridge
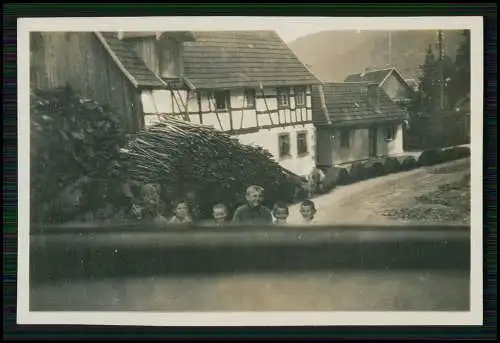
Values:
[(231, 31), (379, 70), (348, 83)]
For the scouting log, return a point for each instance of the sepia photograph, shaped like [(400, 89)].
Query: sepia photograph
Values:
[(223, 170)]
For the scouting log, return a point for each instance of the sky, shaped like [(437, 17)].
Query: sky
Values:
[(291, 35), (289, 28)]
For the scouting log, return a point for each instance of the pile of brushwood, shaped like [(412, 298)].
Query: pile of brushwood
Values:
[(187, 158), (84, 167)]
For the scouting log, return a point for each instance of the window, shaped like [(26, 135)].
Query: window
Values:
[(300, 97), (284, 144), (283, 98), (302, 143), (345, 139), (389, 133), (222, 100), (249, 98)]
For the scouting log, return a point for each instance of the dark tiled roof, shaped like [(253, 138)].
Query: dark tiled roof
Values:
[(347, 103), (228, 59), (375, 76), (131, 62)]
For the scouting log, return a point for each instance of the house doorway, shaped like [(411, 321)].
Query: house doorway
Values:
[(372, 138)]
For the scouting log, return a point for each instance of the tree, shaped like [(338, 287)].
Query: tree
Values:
[(461, 86), (427, 96), (450, 77), (425, 107), (427, 99)]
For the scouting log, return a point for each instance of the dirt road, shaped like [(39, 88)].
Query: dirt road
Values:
[(365, 201)]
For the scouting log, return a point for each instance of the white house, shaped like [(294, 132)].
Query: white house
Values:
[(246, 83), (355, 121)]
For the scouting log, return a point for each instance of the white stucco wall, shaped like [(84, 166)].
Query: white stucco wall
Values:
[(392, 147), (268, 139), (330, 151)]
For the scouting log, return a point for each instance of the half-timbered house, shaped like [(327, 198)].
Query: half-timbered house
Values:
[(252, 86), (355, 121), (246, 83)]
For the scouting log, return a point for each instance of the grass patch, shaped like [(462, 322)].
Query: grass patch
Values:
[(448, 169), (449, 203)]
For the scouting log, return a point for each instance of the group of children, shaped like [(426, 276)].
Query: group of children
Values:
[(253, 212)]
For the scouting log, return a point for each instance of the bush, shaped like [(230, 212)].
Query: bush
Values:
[(356, 172), (377, 169), (367, 171), (391, 165), (75, 146), (430, 157), (461, 151), (408, 163), (334, 176), (344, 178), (455, 153), (183, 157), (449, 155)]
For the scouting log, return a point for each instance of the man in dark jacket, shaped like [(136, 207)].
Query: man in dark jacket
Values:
[(253, 212)]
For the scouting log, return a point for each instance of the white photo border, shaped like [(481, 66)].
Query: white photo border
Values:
[(280, 24)]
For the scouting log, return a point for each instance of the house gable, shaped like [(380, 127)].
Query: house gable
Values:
[(129, 62), (389, 79), (396, 87), (162, 54)]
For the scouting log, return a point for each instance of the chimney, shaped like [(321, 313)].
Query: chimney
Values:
[(373, 97)]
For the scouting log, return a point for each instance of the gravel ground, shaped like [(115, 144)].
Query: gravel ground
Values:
[(399, 197)]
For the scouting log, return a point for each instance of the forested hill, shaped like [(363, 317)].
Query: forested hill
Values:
[(332, 55)]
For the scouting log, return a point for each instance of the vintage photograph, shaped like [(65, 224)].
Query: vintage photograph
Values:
[(177, 169)]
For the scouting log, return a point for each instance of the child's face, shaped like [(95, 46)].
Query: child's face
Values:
[(307, 212), (219, 214), (281, 213), (181, 211), (255, 198)]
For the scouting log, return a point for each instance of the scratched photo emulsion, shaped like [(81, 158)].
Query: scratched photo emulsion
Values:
[(249, 170)]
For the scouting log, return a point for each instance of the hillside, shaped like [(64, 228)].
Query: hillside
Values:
[(332, 55)]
